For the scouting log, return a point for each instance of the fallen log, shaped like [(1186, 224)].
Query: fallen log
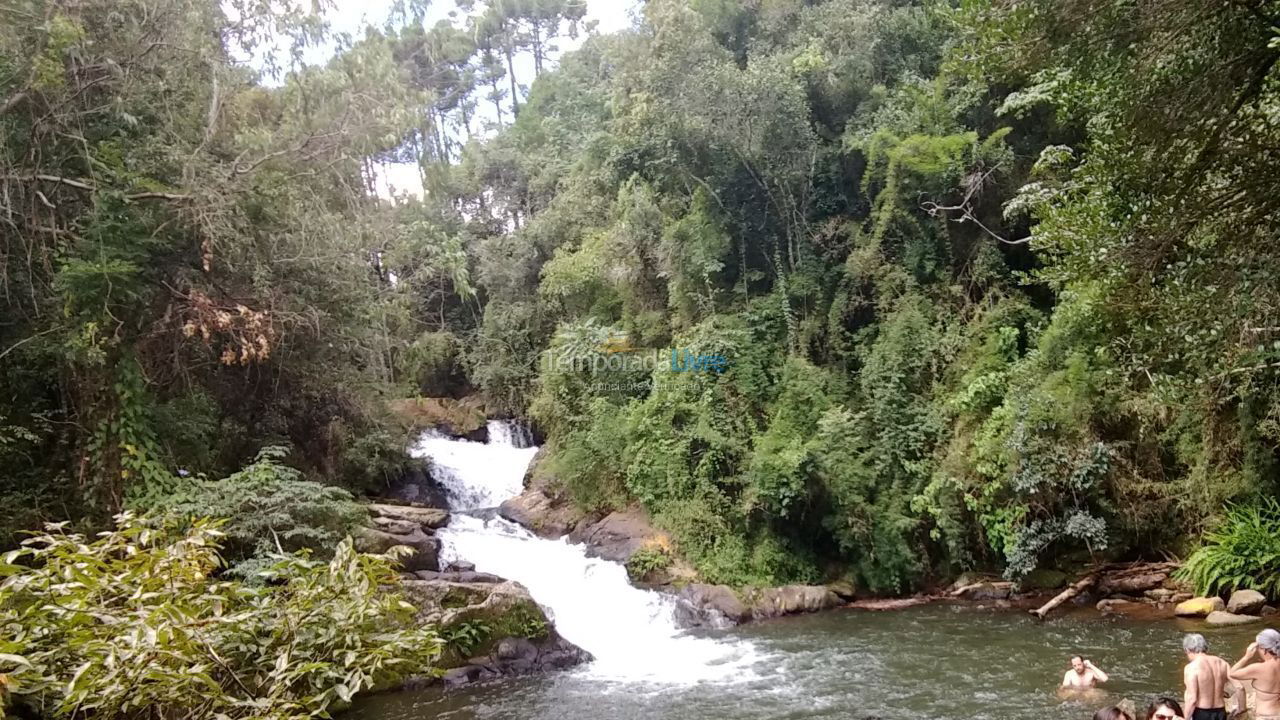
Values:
[(1080, 586)]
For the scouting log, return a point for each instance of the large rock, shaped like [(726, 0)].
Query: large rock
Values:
[(507, 633), (617, 536), (700, 605), (1222, 617), (1199, 607), (790, 600), (427, 519), (540, 513), (1246, 602), (426, 548)]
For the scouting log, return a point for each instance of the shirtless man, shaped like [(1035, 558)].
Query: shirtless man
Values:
[(1206, 680), (1082, 675), (1264, 675)]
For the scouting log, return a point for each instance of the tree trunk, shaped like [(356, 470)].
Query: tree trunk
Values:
[(1072, 591)]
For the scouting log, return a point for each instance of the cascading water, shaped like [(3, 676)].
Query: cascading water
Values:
[(631, 632)]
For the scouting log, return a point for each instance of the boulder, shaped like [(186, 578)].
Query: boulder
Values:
[(425, 518), (617, 536), (843, 589), (790, 600), (1267, 611), (1043, 579), (1199, 607), (540, 513), (1159, 595), (507, 632), (1222, 617), (1246, 602), (1181, 597), (426, 548), (702, 605), (1117, 606)]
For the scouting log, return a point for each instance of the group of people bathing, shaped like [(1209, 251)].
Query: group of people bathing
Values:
[(1209, 681)]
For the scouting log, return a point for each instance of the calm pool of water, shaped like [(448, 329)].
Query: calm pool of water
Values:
[(945, 662)]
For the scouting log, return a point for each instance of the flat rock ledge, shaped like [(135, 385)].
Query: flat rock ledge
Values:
[(412, 527)]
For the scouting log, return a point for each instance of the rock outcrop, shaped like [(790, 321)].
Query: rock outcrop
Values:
[(491, 629), (1199, 607), (702, 605), (412, 527), (1246, 602)]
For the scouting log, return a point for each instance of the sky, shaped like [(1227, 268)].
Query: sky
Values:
[(352, 16)]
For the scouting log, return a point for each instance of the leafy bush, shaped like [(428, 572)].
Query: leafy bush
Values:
[(647, 560), (271, 510), (1242, 553), (134, 625)]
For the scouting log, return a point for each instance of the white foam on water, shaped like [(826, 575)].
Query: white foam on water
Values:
[(631, 632), (477, 475)]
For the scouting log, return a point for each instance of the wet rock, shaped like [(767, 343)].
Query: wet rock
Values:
[(395, 527), (1267, 611), (1159, 595), (617, 536), (461, 566), (426, 548), (1199, 607), (514, 637), (790, 600), (1181, 597), (427, 519), (540, 513), (1246, 602), (1118, 606), (702, 605), (1222, 617), (843, 589)]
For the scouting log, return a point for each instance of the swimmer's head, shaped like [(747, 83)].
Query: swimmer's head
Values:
[(1269, 642), (1077, 664), (1194, 644)]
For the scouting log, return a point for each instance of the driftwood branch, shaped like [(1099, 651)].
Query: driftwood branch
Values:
[(1073, 590)]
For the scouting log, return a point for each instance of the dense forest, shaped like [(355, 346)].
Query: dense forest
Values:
[(867, 288)]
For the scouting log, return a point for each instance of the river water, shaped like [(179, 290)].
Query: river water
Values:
[(937, 661)]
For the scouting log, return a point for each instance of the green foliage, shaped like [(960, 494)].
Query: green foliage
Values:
[(133, 624), (466, 636), (1243, 552), (648, 560), (270, 510)]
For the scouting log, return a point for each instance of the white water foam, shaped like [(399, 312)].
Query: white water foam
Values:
[(631, 632), (477, 475)]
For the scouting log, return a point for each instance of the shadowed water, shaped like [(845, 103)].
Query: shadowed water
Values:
[(943, 662)]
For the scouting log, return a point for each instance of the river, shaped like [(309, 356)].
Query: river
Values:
[(938, 661)]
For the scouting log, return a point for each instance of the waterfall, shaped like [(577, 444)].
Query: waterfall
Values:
[(631, 632)]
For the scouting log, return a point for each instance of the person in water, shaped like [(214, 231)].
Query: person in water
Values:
[(1164, 708), (1111, 713), (1206, 681), (1260, 668), (1083, 674)]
